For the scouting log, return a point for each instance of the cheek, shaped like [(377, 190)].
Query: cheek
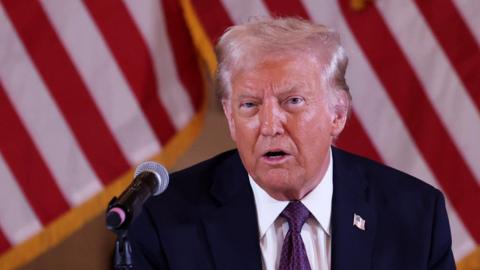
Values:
[(247, 130), (247, 126), (311, 133), (313, 123), (247, 137), (308, 117), (323, 120), (253, 124)]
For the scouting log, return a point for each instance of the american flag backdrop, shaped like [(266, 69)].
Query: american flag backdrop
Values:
[(88, 89)]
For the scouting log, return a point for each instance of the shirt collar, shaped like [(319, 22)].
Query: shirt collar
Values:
[(318, 202)]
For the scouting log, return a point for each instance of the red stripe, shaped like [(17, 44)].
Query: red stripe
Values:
[(67, 88), (417, 112), (213, 16), (27, 166), (132, 55), (185, 57), (4, 244), (456, 40), (354, 138), (286, 8)]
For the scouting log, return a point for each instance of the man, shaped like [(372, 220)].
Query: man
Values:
[(287, 199)]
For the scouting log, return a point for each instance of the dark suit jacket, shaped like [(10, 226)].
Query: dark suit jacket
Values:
[(207, 220)]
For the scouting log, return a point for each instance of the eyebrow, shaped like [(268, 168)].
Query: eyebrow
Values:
[(243, 96), (290, 89)]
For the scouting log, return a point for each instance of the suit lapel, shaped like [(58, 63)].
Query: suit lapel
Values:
[(232, 227), (351, 247)]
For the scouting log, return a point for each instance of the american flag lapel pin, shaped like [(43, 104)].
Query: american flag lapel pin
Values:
[(358, 222)]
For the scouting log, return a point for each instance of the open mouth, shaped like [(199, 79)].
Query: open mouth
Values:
[(275, 154), (275, 157)]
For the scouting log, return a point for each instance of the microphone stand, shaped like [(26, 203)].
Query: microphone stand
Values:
[(123, 250)]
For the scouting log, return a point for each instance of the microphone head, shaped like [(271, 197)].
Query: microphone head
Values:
[(159, 171)]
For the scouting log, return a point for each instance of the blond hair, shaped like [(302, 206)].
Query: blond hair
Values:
[(243, 44)]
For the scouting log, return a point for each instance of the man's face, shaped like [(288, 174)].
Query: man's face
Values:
[(279, 116)]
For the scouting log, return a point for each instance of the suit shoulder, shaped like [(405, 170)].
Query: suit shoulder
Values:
[(384, 177), (203, 169), (194, 183)]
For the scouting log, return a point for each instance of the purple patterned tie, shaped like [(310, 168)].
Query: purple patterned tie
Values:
[(294, 256)]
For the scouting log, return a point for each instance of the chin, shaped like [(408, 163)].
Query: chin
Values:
[(277, 184), (276, 177), (284, 193)]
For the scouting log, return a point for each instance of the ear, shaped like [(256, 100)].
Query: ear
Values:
[(227, 110), (341, 110)]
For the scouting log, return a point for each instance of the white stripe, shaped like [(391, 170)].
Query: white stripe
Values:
[(462, 242), (43, 120), (103, 78), (242, 11), (386, 126), (444, 89), (148, 15), (17, 219), (470, 10)]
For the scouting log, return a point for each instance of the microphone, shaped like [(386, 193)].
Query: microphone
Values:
[(150, 179)]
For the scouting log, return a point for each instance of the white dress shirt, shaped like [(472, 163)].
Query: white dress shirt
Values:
[(316, 232)]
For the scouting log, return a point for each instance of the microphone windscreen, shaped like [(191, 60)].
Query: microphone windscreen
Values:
[(158, 170)]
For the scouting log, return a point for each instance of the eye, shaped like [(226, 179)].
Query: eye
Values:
[(295, 101), (247, 105), (248, 108)]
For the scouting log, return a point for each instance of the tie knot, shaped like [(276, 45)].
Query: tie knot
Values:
[(296, 214)]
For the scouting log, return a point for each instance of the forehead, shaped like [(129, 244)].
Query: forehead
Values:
[(278, 72)]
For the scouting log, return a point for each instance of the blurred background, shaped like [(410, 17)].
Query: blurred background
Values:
[(90, 89)]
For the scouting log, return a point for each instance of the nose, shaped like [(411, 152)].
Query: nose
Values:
[(272, 119)]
